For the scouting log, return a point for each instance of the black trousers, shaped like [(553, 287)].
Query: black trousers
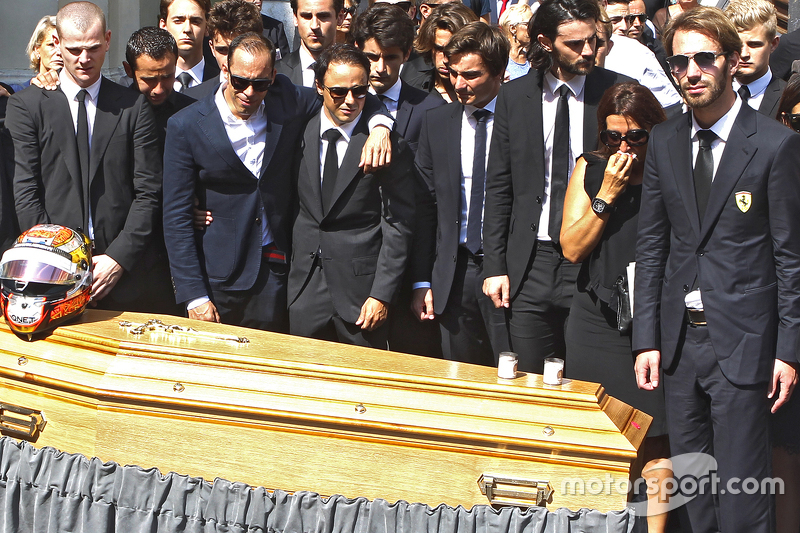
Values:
[(539, 312), (313, 315), (261, 307), (708, 414), (473, 330)]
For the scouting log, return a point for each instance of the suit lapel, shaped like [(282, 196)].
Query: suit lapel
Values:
[(453, 155), (105, 122), (349, 168), (312, 185), (735, 158), (404, 110), (531, 117), (214, 129), (56, 108), (274, 113), (682, 169)]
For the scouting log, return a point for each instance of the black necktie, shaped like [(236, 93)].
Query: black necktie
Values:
[(559, 174), (184, 78), (744, 93), (83, 154), (704, 170), (474, 222), (331, 167)]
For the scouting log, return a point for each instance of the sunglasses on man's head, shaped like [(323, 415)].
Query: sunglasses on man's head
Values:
[(705, 61), (260, 85), (642, 17), (359, 91), (612, 138), (794, 120)]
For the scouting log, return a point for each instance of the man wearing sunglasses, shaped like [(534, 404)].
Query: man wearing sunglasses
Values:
[(352, 233), (236, 152), (717, 290), (641, 29), (757, 23)]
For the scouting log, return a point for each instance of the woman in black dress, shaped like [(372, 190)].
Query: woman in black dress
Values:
[(601, 212)]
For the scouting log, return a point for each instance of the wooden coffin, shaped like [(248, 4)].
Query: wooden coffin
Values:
[(298, 414)]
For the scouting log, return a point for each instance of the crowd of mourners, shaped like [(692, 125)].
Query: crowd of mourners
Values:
[(613, 184)]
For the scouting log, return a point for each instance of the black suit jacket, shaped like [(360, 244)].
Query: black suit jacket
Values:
[(365, 235), (273, 30), (290, 67), (200, 161), (515, 172), (9, 229), (788, 50), (744, 255), (419, 73), (198, 92), (411, 108), (125, 171), (772, 97)]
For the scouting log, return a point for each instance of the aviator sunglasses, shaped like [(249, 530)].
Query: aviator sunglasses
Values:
[(794, 120), (704, 60), (359, 91), (631, 18), (259, 85), (612, 138)]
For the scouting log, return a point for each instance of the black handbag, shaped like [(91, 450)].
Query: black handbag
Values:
[(622, 298)]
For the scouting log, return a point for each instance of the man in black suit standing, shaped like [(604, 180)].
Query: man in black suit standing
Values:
[(452, 160), (273, 30), (717, 290), (316, 22), (352, 234), (87, 157), (543, 122), (757, 24), (186, 21)]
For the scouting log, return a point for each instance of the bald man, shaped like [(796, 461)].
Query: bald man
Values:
[(87, 157)]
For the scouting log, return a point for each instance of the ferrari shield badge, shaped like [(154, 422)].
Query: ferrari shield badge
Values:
[(743, 201)]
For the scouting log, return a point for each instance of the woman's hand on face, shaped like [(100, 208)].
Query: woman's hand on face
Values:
[(617, 174)]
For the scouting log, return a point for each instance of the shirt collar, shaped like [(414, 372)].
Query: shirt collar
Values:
[(225, 111), (575, 85), (346, 129), (393, 92), (195, 72), (757, 87), (470, 109), (723, 126), (71, 89)]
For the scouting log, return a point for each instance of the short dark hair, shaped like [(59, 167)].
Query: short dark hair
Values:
[(234, 17), (790, 97), (163, 9), (550, 15), (709, 21), (252, 43), (338, 5), (451, 17), (479, 38), (152, 42), (630, 100), (340, 53), (388, 24)]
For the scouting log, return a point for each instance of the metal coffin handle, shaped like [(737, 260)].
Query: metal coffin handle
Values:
[(14, 425), (502, 491)]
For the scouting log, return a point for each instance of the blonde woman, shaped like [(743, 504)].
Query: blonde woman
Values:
[(514, 23), (42, 50)]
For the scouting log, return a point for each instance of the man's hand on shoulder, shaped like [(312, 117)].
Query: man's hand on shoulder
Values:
[(377, 151), (206, 312), (646, 369), (105, 274), (373, 314), (785, 374), (47, 80), (497, 288)]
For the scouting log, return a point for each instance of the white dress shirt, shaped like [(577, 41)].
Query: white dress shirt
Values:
[(468, 125), (196, 72), (306, 60), (550, 89), (71, 90), (757, 89), (346, 130), (391, 97), (722, 128), (631, 58)]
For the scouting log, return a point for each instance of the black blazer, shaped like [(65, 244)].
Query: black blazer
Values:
[(125, 171), (772, 97), (365, 235), (290, 67), (419, 73), (199, 160), (744, 255), (411, 108), (273, 30), (198, 92), (788, 50), (515, 172)]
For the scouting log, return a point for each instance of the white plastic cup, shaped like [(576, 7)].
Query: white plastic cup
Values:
[(507, 365), (553, 371)]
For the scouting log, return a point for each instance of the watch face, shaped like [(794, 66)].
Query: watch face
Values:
[(598, 205)]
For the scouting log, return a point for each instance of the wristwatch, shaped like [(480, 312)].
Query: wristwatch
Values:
[(601, 206)]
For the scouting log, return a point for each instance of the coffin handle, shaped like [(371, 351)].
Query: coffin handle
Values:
[(21, 422), (503, 491)]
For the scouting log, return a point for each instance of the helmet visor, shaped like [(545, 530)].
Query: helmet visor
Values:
[(34, 265)]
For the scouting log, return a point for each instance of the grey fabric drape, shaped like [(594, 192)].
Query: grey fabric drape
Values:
[(47, 491)]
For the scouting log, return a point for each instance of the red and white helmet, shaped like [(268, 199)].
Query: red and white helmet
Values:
[(46, 278)]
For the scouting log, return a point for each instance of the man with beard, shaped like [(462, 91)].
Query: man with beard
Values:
[(717, 290), (543, 122)]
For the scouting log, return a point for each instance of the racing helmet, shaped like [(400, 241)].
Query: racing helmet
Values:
[(46, 278)]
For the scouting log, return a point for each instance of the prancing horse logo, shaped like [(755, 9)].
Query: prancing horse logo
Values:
[(743, 201)]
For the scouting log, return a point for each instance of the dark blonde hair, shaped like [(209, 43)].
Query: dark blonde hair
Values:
[(450, 17), (709, 21), (45, 24)]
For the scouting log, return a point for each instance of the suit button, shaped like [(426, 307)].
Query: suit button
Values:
[(533, 227), (454, 258), (701, 253), (311, 255), (685, 288), (538, 199), (457, 222), (258, 220)]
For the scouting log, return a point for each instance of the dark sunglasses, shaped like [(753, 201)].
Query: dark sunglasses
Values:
[(359, 91), (612, 138), (705, 61), (259, 85), (641, 17), (794, 120), (349, 10)]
